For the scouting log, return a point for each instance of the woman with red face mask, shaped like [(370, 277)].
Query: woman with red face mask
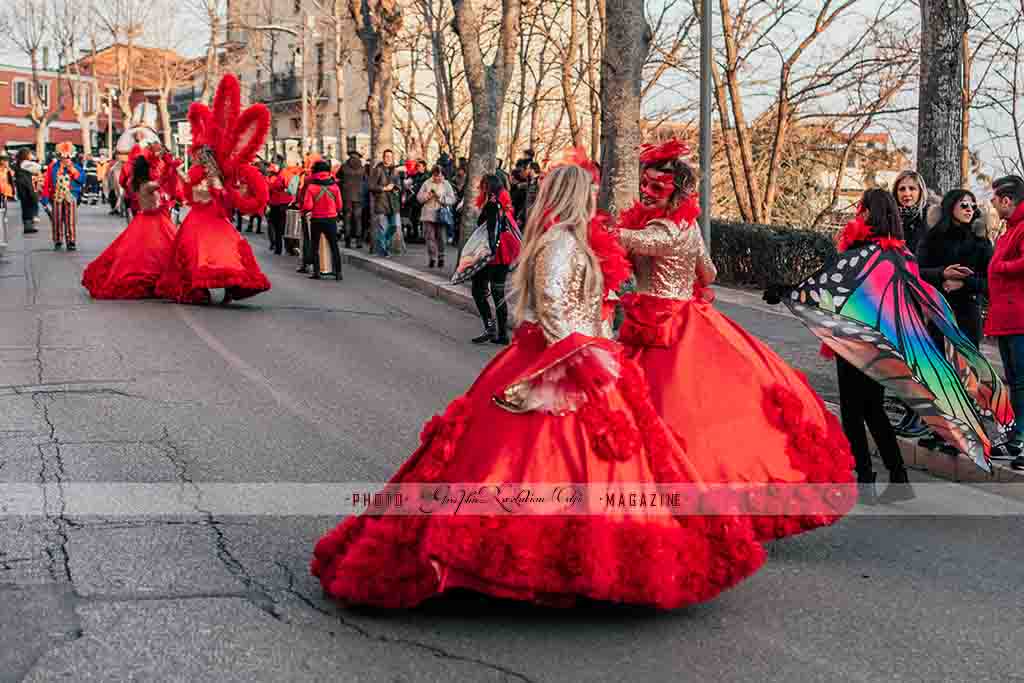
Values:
[(744, 416)]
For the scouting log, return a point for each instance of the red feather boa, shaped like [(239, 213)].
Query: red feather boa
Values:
[(858, 230), (615, 265), (639, 215)]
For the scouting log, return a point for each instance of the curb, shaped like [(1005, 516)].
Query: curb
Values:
[(434, 286), (957, 468)]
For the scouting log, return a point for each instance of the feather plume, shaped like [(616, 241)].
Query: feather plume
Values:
[(254, 201), (252, 129), (227, 103)]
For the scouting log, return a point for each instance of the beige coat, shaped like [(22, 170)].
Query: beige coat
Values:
[(445, 196)]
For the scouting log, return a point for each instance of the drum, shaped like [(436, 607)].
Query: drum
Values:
[(293, 225)]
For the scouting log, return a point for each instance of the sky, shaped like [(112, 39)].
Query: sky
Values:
[(903, 127)]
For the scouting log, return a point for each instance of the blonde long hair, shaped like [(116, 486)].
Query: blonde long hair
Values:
[(565, 201)]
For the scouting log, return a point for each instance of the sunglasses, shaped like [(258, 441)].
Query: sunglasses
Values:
[(967, 205)]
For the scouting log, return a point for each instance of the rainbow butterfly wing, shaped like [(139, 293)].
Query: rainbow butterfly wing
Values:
[(871, 307)]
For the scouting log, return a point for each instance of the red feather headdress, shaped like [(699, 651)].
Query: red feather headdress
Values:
[(234, 137), (576, 157), (652, 155)]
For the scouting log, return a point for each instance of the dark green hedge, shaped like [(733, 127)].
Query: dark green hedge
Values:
[(757, 255)]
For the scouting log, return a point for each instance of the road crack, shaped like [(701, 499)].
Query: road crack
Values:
[(363, 632)]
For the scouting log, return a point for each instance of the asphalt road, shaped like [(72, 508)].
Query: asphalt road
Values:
[(331, 382)]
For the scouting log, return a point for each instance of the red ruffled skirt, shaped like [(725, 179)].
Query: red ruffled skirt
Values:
[(210, 254), (743, 415), (613, 436), (130, 267)]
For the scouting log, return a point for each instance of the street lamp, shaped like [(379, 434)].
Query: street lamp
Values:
[(705, 123)]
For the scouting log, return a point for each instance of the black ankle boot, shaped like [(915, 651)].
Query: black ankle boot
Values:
[(488, 334), (431, 264), (899, 488)]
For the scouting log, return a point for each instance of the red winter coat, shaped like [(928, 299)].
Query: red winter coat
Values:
[(323, 200), (279, 191), (1006, 281)]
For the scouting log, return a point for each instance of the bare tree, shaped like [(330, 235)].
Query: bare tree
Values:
[(488, 85), (124, 22), (30, 23), (73, 26), (377, 24), (627, 42)]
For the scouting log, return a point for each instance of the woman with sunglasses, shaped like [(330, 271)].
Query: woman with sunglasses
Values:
[(953, 256)]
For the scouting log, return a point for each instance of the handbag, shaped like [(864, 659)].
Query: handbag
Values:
[(446, 216)]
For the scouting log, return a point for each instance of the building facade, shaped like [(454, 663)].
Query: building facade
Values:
[(16, 127), (274, 33)]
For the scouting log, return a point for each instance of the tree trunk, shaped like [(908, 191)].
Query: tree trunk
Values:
[(85, 125), (488, 85), (627, 42), (569, 58), (965, 126), (940, 105), (41, 142), (340, 58), (165, 120)]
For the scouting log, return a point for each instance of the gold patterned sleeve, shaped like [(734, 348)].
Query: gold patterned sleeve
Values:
[(706, 270), (553, 278), (657, 238)]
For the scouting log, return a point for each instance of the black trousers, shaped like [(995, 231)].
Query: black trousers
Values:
[(353, 222), (328, 227), (276, 220), (492, 277), (861, 401)]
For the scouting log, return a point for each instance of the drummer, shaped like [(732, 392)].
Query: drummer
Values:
[(279, 201)]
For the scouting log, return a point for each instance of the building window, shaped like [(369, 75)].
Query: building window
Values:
[(19, 93), (44, 94), (296, 124), (298, 6)]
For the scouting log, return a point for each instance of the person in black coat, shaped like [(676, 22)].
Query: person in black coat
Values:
[(24, 171), (953, 256)]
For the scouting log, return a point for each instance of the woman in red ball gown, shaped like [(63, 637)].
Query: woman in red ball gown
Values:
[(130, 267), (211, 261), (743, 415), (560, 404)]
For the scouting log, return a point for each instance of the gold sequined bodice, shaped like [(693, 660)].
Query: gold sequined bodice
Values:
[(668, 259), (560, 304)]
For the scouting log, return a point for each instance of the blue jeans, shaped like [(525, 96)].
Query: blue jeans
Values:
[(1011, 349), (387, 226)]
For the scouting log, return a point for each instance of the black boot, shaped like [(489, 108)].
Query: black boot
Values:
[(488, 334), (431, 264), (71, 246), (899, 488), (440, 263), (866, 489), (502, 337)]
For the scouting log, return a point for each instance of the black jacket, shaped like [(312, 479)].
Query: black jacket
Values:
[(956, 244)]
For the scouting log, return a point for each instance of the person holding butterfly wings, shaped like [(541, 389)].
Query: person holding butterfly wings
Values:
[(873, 310)]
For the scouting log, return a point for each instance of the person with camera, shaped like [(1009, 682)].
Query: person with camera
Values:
[(435, 196)]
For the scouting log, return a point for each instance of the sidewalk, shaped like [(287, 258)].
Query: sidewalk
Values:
[(410, 270)]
